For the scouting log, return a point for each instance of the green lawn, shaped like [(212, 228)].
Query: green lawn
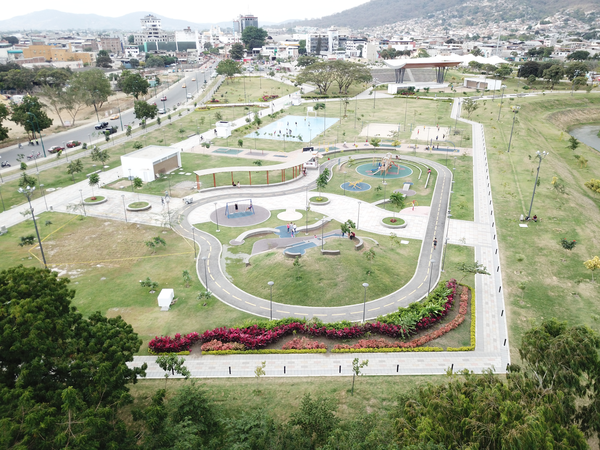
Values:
[(248, 89), (541, 279)]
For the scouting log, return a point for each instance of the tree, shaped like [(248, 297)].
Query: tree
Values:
[(476, 51), (100, 156), (346, 73), (470, 106), (240, 143), (575, 69), (4, 112), (94, 180), (37, 120), (529, 68), (55, 97), (155, 61), (322, 180), (259, 371), (302, 47), (423, 53), (319, 46), (356, 366), (133, 84), (397, 199), (370, 256), (92, 87), (375, 142), (553, 74), (475, 268), (592, 264), (316, 418), (75, 166), (53, 373), (103, 59), (504, 71), (229, 68), (144, 110), (347, 227), (304, 61), (321, 74), (207, 46), (253, 37), (27, 180), (137, 184), (171, 363), (155, 242), (578, 55), (531, 79), (130, 39), (19, 79), (236, 51), (187, 279), (12, 40), (573, 143), (135, 63), (297, 265)]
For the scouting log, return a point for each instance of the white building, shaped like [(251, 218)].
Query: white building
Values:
[(150, 162), (152, 31)]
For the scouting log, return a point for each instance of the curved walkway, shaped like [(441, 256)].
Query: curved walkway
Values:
[(427, 273)]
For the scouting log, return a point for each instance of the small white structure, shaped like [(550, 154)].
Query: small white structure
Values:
[(483, 83), (223, 129), (296, 99), (149, 162), (165, 298)]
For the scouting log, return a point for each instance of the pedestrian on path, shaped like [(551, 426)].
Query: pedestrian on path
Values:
[(434, 243), (162, 199), (295, 228), (288, 227)]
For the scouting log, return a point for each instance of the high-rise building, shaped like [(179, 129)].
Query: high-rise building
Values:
[(152, 31), (244, 21)]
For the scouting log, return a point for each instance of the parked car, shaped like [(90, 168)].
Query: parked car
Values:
[(72, 144), (55, 149), (189, 95), (110, 130), (162, 111), (101, 125), (163, 98), (114, 117)]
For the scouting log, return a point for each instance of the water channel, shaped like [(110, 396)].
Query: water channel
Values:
[(588, 134)]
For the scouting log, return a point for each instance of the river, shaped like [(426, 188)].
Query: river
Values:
[(588, 134)]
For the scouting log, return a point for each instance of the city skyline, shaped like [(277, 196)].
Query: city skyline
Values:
[(266, 10)]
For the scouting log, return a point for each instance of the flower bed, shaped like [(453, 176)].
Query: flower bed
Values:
[(401, 324), (268, 98), (167, 344)]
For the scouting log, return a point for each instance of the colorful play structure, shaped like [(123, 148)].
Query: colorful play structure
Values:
[(385, 165), (239, 208)]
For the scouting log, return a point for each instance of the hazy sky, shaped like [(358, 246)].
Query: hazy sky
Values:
[(204, 11)]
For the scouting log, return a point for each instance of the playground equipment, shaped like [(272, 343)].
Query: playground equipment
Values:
[(386, 164), (355, 185), (239, 208)]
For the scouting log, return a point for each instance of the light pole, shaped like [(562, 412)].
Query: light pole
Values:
[(27, 193), (43, 193), (515, 110), (344, 183), (124, 208), (167, 201), (306, 228), (2, 198), (322, 232), (540, 156), (365, 285), (375, 81), (358, 219), (384, 189), (217, 217), (204, 258), (194, 239), (82, 203), (271, 283), (501, 99), (131, 180), (430, 273)]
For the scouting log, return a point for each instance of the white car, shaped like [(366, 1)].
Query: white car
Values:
[(162, 111), (189, 96)]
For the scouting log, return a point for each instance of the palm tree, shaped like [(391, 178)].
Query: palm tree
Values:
[(93, 181)]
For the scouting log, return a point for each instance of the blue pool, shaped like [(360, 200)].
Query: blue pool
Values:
[(294, 128)]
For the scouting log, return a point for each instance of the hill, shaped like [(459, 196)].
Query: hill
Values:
[(51, 19), (381, 12)]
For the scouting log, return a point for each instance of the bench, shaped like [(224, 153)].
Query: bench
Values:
[(191, 135), (240, 239), (89, 174), (330, 252), (360, 244), (314, 226), (291, 255)]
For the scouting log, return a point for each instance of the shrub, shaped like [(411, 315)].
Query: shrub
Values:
[(302, 343), (568, 245), (167, 344)]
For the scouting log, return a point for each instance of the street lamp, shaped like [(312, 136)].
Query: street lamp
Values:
[(217, 217), (194, 239), (185, 87), (322, 231), (358, 219), (430, 273), (204, 258), (501, 99), (27, 193), (124, 208), (43, 192), (131, 180), (375, 81), (365, 285), (540, 156), (82, 203), (167, 200), (271, 283), (2, 198), (384, 189), (515, 110)]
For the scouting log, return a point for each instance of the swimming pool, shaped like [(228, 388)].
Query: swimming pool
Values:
[(299, 128)]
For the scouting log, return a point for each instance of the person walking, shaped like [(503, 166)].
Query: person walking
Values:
[(288, 227), (295, 228), (434, 243)]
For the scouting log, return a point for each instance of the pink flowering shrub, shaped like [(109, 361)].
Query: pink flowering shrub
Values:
[(167, 344), (303, 343), (215, 345)]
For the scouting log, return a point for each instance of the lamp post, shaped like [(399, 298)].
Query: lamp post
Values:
[(322, 232), (2, 198), (501, 99), (43, 193), (185, 87), (194, 239), (344, 183), (124, 208), (167, 201), (515, 110), (131, 180), (217, 217), (82, 203), (358, 219), (38, 130), (430, 273), (375, 81), (445, 250), (271, 283), (204, 258), (365, 285), (539, 156), (384, 189), (306, 227), (27, 193)]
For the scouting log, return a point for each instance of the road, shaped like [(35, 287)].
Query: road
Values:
[(175, 94)]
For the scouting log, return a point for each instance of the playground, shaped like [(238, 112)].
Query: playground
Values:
[(387, 167), (294, 128)]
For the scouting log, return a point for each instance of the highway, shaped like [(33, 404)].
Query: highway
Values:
[(87, 133)]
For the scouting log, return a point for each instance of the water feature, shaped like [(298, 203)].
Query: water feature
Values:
[(588, 134)]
